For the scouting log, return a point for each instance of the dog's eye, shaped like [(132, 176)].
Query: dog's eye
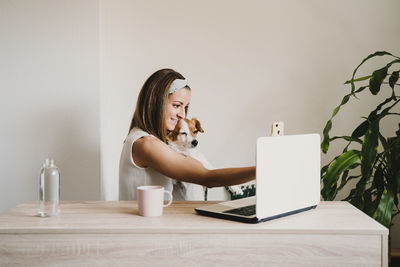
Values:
[(183, 134), (195, 131)]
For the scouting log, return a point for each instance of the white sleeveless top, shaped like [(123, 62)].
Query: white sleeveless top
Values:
[(131, 176)]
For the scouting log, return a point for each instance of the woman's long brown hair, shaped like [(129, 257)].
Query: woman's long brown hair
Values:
[(149, 113)]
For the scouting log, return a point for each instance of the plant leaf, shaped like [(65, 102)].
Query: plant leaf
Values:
[(338, 166), (386, 110), (383, 141), (370, 204), (369, 151), (393, 78), (323, 170), (376, 80), (379, 180), (347, 138), (369, 148), (361, 129), (378, 53), (383, 213), (359, 79), (348, 179), (351, 195), (392, 155), (345, 178), (335, 111), (328, 126), (373, 115), (361, 89), (392, 62), (397, 179), (345, 100), (325, 141)]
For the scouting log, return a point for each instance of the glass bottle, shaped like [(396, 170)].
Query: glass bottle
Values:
[(49, 191)]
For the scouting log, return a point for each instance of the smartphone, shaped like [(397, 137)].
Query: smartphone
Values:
[(277, 128)]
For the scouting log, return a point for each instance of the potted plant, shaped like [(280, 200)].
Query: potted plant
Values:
[(249, 190), (375, 163)]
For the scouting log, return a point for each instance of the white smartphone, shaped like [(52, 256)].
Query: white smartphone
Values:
[(277, 128)]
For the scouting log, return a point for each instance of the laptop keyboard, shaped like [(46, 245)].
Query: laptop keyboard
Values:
[(245, 211)]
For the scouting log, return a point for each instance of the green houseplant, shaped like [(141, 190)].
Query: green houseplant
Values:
[(375, 165)]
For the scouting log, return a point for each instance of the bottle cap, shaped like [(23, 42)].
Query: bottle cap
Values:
[(49, 162), (46, 162)]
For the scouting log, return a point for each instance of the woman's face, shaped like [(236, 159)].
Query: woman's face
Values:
[(177, 104)]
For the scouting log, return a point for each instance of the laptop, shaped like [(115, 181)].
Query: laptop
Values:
[(287, 181)]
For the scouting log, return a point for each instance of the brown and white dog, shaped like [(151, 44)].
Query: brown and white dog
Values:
[(183, 139)]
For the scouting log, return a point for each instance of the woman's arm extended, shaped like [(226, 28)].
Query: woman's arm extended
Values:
[(151, 152)]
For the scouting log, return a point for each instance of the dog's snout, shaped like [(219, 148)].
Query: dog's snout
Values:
[(194, 143)]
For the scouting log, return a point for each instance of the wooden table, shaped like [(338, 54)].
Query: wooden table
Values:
[(112, 234)]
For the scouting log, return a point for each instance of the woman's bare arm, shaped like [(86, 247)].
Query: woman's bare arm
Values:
[(151, 152)]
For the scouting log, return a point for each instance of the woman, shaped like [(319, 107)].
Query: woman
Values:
[(146, 159)]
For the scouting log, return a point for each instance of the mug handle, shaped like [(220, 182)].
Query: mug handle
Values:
[(170, 198)]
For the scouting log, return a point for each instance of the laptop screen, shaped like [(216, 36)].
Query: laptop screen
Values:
[(287, 174)]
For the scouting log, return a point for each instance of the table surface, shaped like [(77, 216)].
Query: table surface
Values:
[(333, 217)]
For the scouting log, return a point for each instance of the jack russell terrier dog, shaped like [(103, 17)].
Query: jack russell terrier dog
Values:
[(183, 139)]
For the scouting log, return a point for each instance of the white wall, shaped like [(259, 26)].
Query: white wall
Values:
[(249, 63), (49, 101)]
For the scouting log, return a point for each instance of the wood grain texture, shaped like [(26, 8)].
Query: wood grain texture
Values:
[(193, 249), (105, 233), (115, 216)]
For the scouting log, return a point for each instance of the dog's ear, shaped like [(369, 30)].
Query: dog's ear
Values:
[(173, 135), (198, 125), (177, 128)]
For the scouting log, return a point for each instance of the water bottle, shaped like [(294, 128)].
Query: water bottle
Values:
[(49, 191)]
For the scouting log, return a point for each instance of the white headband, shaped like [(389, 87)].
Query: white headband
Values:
[(177, 84)]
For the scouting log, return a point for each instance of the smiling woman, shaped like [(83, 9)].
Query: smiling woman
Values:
[(177, 107), (146, 159)]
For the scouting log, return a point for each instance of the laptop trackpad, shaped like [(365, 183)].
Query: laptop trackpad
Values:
[(239, 202)]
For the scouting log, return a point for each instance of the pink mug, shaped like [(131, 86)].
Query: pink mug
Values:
[(151, 200)]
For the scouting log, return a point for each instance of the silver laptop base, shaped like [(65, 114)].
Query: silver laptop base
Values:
[(254, 219)]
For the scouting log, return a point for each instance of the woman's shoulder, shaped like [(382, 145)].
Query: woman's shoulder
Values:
[(146, 148), (138, 131), (148, 143), (136, 134), (143, 141)]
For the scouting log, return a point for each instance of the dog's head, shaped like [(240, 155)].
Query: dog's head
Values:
[(185, 133)]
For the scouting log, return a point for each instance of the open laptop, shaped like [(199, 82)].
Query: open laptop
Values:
[(287, 181)]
